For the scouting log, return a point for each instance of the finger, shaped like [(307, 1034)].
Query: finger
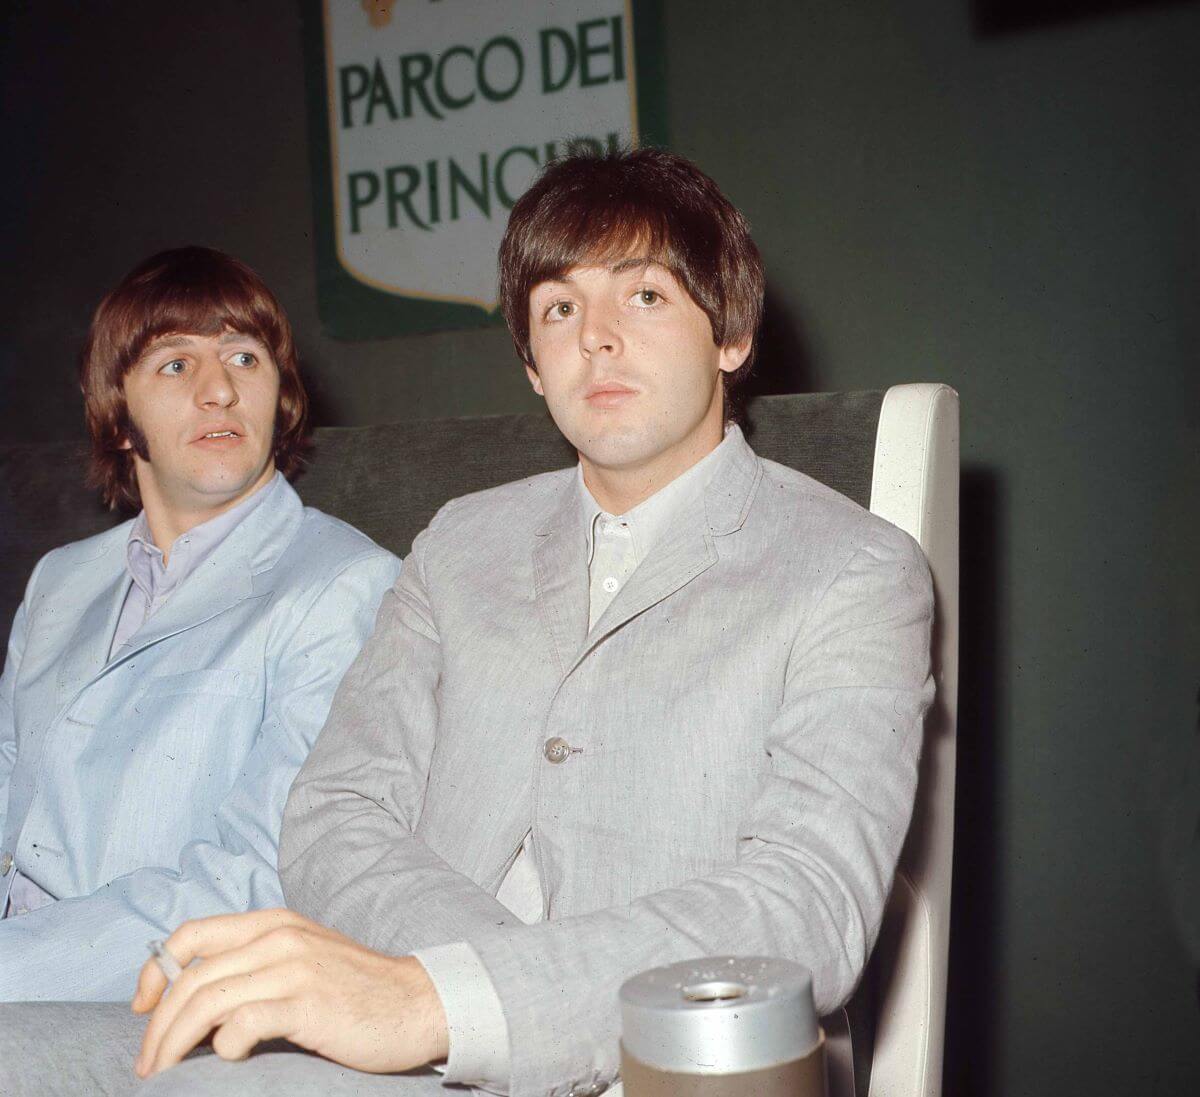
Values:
[(150, 986), (258, 955), (253, 1022), (222, 932), (289, 939), (225, 937), (209, 1008)]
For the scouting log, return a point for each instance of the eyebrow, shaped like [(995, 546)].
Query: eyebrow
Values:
[(634, 262), (166, 341), (170, 342)]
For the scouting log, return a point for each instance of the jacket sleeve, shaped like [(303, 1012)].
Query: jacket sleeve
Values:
[(816, 853), (349, 855), (92, 947), (8, 688), (8, 731)]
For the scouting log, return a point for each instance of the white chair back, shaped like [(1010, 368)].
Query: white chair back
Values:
[(915, 486)]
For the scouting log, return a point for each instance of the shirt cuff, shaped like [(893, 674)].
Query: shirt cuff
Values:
[(478, 1032)]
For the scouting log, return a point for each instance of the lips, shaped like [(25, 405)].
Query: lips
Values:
[(608, 394), (219, 432)]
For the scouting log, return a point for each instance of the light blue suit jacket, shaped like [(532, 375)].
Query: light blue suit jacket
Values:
[(147, 789)]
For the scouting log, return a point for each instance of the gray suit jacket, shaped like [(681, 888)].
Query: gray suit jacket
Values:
[(745, 722)]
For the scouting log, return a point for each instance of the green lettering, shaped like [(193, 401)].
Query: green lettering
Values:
[(567, 44), (453, 102), (397, 197), (491, 93), (351, 91), (618, 40), (588, 50), (381, 94), (478, 193), (415, 70), (358, 199), (433, 183), (502, 192)]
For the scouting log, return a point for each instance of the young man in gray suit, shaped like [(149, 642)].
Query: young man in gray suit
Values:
[(665, 704), (165, 679)]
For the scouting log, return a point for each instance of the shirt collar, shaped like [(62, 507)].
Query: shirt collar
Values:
[(144, 559), (652, 517)]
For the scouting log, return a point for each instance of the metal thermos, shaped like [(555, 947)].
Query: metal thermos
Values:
[(730, 1026)]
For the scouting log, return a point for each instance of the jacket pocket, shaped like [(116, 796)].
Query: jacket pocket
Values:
[(219, 682)]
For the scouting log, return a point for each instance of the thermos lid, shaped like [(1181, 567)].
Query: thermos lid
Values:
[(721, 1015)]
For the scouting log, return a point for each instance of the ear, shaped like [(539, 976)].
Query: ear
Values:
[(125, 443), (534, 379), (733, 355)]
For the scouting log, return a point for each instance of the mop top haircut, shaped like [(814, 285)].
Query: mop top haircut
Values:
[(596, 209), (185, 291)]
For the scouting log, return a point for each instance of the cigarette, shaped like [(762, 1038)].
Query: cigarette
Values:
[(167, 963)]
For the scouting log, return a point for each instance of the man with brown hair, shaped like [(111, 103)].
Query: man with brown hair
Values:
[(165, 679)]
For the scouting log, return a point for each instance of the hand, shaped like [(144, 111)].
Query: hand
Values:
[(273, 973)]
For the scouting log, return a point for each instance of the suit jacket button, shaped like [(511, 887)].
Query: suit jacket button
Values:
[(5, 864), (556, 750)]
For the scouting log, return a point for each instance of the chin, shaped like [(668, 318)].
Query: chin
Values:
[(224, 481), (618, 450)]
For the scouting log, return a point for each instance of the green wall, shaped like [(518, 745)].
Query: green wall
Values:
[(1014, 215)]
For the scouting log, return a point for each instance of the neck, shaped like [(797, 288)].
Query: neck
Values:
[(619, 490), (171, 519)]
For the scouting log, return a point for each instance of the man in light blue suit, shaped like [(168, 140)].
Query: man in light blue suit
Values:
[(165, 679)]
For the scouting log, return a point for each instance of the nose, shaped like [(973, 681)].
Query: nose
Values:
[(214, 385), (600, 332)]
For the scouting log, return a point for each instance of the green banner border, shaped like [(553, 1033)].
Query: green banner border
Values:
[(350, 310)]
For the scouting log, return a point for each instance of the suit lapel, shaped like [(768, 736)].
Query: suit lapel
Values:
[(685, 550), (222, 581), (219, 584), (227, 576), (87, 652), (561, 575)]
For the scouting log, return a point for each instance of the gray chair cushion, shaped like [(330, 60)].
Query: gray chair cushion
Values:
[(389, 480)]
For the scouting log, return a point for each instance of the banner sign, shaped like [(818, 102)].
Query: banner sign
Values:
[(433, 117)]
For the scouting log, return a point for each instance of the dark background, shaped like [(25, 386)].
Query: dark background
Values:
[(958, 191)]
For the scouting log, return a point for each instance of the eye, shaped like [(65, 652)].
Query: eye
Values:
[(647, 298), (173, 368), (244, 358), (560, 310)]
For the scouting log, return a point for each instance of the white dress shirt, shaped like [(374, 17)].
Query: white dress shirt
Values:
[(479, 1051)]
